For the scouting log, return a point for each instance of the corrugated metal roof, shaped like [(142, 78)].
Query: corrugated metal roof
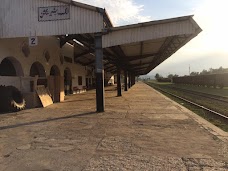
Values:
[(149, 30), (19, 18), (107, 21), (155, 22), (79, 4), (144, 46)]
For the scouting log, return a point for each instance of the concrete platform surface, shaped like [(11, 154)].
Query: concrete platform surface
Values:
[(142, 130)]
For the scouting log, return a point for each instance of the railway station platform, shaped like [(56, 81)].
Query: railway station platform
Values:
[(142, 130)]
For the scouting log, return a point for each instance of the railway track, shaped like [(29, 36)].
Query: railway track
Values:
[(209, 96), (220, 115)]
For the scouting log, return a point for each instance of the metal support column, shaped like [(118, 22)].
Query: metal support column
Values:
[(129, 80), (125, 81), (99, 73), (119, 93), (132, 79)]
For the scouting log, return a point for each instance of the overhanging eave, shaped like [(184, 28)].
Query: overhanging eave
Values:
[(151, 42)]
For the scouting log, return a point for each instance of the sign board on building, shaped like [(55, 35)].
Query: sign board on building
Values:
[(54, 13), (33, 41)]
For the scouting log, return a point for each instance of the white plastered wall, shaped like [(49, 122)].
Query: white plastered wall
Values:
[(76, 69)]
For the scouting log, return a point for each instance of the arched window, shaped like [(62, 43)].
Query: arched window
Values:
[(37, 69), (10, 66)]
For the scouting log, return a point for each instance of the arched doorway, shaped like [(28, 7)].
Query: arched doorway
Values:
[(55, 84), (11, 67), (67, 81), (54, 71), (37, 69), (11, 96)]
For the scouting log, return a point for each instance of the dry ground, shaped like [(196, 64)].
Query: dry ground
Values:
[(142, 130)]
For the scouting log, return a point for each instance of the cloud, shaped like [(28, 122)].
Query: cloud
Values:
[(121, 12)]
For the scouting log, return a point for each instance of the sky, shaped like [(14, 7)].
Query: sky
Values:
[(208, 50)]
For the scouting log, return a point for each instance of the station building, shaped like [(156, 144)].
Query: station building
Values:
[(70, 47)]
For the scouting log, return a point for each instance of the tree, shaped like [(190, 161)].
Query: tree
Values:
[(218, 71), (157, 76), (194, 73), (170, 76), (204, 72)]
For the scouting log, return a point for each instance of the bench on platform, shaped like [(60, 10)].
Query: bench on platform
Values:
[(77, 90)]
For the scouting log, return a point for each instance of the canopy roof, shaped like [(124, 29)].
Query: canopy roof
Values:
[(139, 48)]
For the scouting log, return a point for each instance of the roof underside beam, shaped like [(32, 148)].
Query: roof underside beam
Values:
[(83, 53), (140, 64), (169, 47), (138, 57)]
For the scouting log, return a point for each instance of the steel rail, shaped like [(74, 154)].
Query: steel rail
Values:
[(193, 103), (210, 96)]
